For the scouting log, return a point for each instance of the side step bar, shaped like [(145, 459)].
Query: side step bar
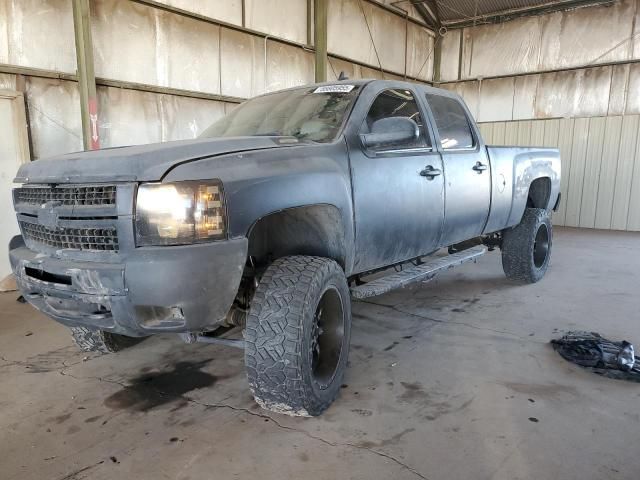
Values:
[(416, 273)]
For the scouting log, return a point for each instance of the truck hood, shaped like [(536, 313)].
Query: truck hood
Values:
[(142, 163)]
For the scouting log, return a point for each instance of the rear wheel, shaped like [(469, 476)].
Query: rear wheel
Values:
[(297, 335), (89, 340), (526, 248)]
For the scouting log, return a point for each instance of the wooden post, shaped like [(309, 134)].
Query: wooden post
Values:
[(86, 74)]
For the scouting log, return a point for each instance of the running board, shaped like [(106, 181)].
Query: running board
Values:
[(416, 273)]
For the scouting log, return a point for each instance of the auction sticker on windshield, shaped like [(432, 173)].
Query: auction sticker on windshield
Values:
[(334, 89)]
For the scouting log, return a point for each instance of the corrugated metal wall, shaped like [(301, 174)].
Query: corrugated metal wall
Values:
[(600, 165), (200, 51)]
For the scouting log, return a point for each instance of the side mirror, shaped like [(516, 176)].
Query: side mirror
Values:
[(391, 131)]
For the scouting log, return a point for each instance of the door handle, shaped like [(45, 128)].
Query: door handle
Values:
[(479, 167), (430, 172)]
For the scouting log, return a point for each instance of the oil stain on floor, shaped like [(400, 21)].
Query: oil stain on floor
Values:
[(151, 390)]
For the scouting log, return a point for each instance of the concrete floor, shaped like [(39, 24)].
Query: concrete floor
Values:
[(450, 380)]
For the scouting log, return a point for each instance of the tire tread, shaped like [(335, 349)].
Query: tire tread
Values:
[(517, 247), (274, 334)]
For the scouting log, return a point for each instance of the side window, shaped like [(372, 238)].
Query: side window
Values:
[(397, 103), (451, 121)]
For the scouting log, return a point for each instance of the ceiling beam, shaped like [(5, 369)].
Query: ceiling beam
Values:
[(428, 10), (510, 14)]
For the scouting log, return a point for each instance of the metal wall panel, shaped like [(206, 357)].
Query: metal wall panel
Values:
[(184, 117), (229, 11), (524, 97), (593, 92), (281, 18), (587, 35), (518, 44), (593, 161), (37, 34), (633, 98), (629, 135), (54, 116), (142, 44), (242, 64), (565, 145), (420, 51), (600, 166), (7, 81), (124, 40), (349, 24), (188, 54), (559, 40), (619, 89), (450, 55), (633, 217), (335, 66), (496, 99), (4, 31), (288, 66), (130, 117), (607, 167)]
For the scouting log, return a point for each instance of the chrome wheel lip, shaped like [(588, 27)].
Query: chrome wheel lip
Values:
[(541, 246)]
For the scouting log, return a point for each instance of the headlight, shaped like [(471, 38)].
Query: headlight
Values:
[(179, 213)]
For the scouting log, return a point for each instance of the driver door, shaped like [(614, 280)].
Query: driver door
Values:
[(399, 209)]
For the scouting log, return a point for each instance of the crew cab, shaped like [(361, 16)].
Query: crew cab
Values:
[(272, 220)]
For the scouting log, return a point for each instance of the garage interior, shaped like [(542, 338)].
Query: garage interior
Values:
[(452, 379)]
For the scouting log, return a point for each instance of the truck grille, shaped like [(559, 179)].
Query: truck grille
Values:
[(93, 239), (66, 195), (75, 217)]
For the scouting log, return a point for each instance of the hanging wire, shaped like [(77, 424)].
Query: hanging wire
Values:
[(437, 39), (628, 39), (371, 37), (332, 69)]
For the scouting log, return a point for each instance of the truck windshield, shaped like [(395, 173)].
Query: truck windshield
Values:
[(314, 114)]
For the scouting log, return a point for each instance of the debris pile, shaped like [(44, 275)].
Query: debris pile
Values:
[(600, 355)]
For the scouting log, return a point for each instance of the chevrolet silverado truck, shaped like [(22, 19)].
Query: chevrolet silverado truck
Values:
[(272, 220)]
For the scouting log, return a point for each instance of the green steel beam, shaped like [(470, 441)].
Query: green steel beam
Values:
[(437, 59), (86, 74), (320, 38)]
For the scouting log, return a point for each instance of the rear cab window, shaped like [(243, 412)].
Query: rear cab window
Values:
[(452, 123)]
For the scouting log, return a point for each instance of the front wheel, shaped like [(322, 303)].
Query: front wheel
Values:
[(297, 335), (90, 340), (526, 248)]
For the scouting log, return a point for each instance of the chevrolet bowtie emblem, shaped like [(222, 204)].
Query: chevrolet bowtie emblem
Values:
[(48, 215)]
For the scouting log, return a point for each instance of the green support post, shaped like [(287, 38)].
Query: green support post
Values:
[(86, 74), (320, 38)]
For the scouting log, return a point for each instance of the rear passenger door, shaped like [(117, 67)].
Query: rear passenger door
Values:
[(467, 172), (397, 191)]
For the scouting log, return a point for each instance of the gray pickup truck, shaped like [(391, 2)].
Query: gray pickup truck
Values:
[(270, 221)]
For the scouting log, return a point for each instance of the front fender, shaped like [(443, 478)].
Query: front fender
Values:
[(260, 183)]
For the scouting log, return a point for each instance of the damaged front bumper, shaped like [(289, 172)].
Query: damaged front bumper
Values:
[(150, 290)]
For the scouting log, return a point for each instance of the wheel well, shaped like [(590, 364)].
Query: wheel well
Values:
[(309, 230), (539, 193)]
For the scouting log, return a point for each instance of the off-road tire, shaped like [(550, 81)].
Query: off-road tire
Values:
[(89, 340), (279, 335), (522, 258)]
